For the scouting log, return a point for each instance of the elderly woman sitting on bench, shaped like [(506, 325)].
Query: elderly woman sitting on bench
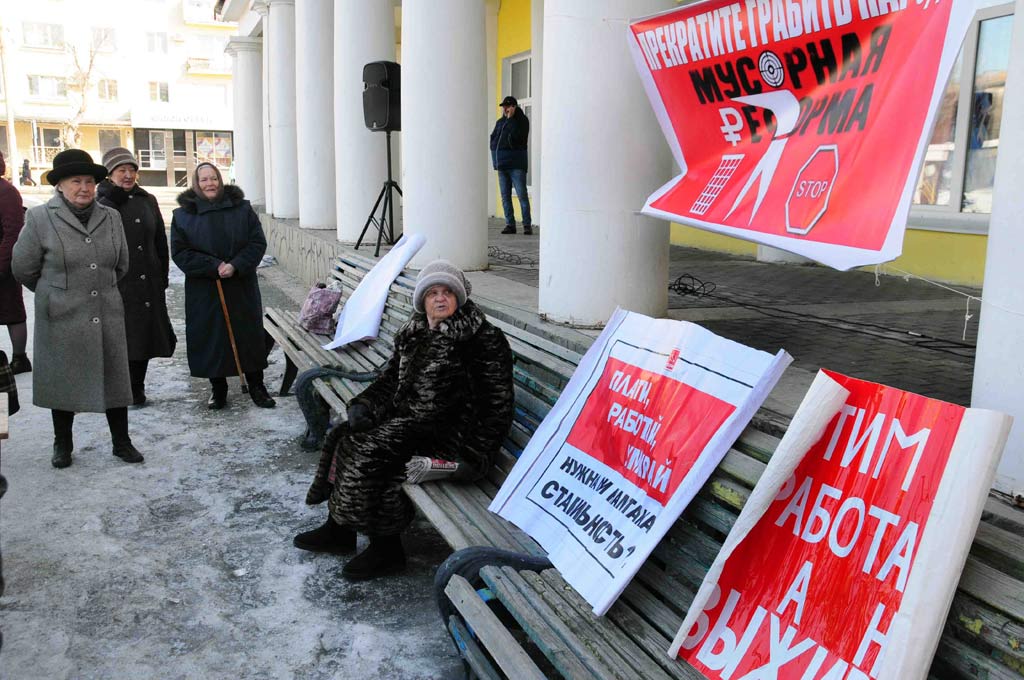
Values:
[(445, 393)]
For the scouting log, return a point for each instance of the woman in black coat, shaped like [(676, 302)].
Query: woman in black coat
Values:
[(146, 323), (216, 236)]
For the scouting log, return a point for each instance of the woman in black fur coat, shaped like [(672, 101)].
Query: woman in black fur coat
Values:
[(445, 393)]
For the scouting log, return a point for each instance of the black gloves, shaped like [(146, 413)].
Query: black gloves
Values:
[(360, 418)]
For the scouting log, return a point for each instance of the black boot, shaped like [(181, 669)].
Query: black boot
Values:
[(527, 230), (127, 452), (218, 397), (260, 396), (310, 441), (383, 556), (509, 229), (20, 364), (138, 395), (62, 448), (331, 537)]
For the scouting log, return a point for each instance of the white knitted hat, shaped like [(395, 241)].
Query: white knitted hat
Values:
[(441, 272)]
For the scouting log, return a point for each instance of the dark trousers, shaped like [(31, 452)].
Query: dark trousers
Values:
[(117, 421)]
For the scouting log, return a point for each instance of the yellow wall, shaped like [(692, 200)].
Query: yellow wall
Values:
[(513, 37), (705, 240)]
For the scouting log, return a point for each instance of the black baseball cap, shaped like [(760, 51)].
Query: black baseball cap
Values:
[(509, 101)]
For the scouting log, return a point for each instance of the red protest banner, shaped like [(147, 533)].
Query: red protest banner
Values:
[(636, 410), (811, 591), (798, 123)]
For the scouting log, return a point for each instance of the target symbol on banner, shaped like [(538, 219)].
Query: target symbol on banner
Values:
[(771, 68)]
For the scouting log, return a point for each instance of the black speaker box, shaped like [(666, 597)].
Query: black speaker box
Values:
[(382, 87)]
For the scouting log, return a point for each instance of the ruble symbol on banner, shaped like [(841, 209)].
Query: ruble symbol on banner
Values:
[(732, 124)]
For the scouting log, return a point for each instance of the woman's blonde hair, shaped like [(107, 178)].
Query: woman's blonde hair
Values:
[(195, 179)]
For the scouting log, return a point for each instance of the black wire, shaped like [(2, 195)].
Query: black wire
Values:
[(688, 285), (510, 258)]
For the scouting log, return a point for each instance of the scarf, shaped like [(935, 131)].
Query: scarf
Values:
[(83, 214)]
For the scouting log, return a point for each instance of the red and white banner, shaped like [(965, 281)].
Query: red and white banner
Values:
[(799, 124), (648, 415), (844, 562)]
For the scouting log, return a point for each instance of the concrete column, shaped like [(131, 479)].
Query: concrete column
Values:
[(169, 155), (247, 86), (444, 171), (536, 92), (492, 99), (603, 154), (999, 364), (314, 112), (263, 10), (284, 167), (363, 32)]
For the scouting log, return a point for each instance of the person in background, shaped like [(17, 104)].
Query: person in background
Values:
[(12, 305), (146, 321), (445, 392), (26, 175), (216, 235), (510, 142), (72, 253)]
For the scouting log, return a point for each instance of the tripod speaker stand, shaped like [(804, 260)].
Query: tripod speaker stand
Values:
[(386, 202)]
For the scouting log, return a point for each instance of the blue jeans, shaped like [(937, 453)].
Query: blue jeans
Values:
[(506, 180)]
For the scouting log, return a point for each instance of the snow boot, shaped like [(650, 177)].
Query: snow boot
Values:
[(330, 537), (382, 557), (62, 449)]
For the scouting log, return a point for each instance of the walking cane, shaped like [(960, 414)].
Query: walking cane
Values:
[(231, 336)]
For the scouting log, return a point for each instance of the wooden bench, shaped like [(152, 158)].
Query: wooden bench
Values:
[(527, 624)]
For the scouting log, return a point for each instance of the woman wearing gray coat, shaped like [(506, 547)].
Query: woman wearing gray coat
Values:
[(71, 253)]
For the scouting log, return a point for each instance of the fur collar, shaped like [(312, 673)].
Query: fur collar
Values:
[(459, 327), (111, 194), (192, 203)]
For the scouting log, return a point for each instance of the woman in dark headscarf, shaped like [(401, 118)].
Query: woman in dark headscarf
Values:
[(216, 235), (146, 322)]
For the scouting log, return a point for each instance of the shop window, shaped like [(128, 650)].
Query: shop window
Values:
[(516, 80), (214, 147), (109, 139), (955, 186), (43, 35)]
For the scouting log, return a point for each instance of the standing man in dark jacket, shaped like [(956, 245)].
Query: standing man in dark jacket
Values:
[(12, 305), (146, 322), (509, 153)]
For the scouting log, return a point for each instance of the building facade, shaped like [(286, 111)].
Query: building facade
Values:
[(149, 75)]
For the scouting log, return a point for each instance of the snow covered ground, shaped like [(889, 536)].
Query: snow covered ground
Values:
[(183, 567)]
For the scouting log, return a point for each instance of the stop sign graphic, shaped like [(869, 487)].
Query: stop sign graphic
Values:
[(808, 199)]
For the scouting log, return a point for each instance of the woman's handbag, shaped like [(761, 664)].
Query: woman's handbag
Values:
[(8, 385), (317, 313)]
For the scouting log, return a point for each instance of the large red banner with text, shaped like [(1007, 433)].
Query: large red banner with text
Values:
[(798, 123), (621, 425), (812, 590)]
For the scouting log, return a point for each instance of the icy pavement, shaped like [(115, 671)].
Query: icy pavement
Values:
[(183, 567)]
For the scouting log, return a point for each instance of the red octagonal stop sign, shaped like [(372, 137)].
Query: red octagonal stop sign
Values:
[(808, 199)]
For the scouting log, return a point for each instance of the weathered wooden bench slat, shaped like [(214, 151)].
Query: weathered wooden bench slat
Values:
[(567, 653), (503, 648), (443, 522), (975, 619), (497, 531), (470, 651), (993, 587), (967, 662)]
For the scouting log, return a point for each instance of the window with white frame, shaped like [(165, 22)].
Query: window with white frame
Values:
[(107, 90), (158, 92), (103, 39), (43, 35), (516, 80), (47, 87), (156, 43), (955, 187)]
